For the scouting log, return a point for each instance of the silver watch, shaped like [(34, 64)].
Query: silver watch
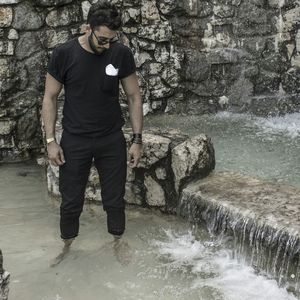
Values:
[(50, 140)]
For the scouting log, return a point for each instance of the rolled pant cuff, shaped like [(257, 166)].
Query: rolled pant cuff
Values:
[(68, 238)]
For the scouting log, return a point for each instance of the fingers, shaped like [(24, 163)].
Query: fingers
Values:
[(62, 157), (133, 160), (56, 157)]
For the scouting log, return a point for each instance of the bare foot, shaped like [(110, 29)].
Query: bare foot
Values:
[(66, 249), (122, 251)]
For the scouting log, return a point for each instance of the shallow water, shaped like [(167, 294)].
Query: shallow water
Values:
[(164, 257), (264, 147)]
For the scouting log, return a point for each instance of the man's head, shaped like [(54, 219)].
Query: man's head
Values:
[(103, 21)]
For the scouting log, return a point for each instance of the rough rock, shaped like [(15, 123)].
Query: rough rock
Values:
[(63, 16), (13, 34), (155, 148), (28, 43), (152, 183), (6, 48), (155, 195), (149, 12), (53, 2), (192, 157), (54, 38), (26, 17), (159, 33), (5, 16), (85, 6)]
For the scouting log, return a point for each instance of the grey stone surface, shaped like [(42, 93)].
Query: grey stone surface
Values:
[(155, 195), (6, 126), (28, 43), (54, 37), (26, 17), (166, 6), (35, 62), (6, 14), (159, 33), (63, 16), (149, 12), (85, 6), (196, 67), (192, 157), (27, 126), (13, 34), (6, 48), (188, 53), (9, 1), (52, 2)]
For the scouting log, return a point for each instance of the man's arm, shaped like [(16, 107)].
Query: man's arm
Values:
[(49, 112), (132, 91)]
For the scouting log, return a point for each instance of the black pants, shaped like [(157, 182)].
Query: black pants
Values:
[(110, 158)]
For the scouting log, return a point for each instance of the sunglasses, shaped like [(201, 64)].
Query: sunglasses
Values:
[(103, 41)]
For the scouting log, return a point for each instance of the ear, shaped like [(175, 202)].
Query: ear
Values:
[(88, 28)]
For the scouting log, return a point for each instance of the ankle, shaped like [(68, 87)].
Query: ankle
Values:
[(68, 242)]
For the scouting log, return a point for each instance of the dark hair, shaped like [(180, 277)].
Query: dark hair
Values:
[(104, 13)]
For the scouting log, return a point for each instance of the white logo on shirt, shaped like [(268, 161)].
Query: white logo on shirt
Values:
[(111, 70)]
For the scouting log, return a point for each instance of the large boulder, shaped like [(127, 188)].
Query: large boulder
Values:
[(169, 160)]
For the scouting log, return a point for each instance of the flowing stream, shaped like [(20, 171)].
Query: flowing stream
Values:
[(263, 147), (161, 257)]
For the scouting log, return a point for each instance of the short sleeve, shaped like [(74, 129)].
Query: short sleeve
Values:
[(127, 66), (56, 65)]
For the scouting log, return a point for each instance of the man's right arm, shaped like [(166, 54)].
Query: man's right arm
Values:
[(49, 112)]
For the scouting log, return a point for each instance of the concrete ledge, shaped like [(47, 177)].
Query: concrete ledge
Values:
[(262, 217)]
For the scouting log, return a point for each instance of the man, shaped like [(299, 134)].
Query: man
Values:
[(90, 68)]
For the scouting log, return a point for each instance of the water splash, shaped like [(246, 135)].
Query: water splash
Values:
[(288, 124), (217, 276), (272, 251)]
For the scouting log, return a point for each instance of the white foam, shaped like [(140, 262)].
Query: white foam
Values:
[(216, 270), (288, 124)]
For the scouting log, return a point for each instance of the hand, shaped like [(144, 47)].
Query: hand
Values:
[(55, 154), (135, 152)]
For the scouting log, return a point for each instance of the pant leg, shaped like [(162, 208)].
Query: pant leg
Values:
[(110, 159), (73, 177)]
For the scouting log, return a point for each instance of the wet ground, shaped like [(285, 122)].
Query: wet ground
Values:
[(160, 256)]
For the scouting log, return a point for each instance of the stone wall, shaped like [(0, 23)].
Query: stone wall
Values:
[(193, 57)]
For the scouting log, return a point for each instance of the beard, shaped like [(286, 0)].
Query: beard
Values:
[(93, 46)]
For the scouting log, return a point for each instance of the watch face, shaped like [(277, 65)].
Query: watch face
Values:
[(50, 140)]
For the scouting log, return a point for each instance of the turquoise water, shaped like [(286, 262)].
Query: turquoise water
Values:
[(161, 256), (264, 147)]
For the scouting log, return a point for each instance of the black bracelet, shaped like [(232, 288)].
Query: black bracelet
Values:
[(137, 138), (137, 135)]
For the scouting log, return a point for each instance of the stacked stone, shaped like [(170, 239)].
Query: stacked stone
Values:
[(242, 54), (169, 161), (29, 32), (193, 57)]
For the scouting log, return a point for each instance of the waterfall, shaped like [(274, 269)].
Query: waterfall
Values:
[(272, 251)]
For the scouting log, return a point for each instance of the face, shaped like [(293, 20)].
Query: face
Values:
[(101, 37)]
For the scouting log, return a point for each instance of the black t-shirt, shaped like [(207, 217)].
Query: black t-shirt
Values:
[(91, 83)]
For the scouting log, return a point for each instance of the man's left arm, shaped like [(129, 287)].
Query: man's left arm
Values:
[(135, 106)]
